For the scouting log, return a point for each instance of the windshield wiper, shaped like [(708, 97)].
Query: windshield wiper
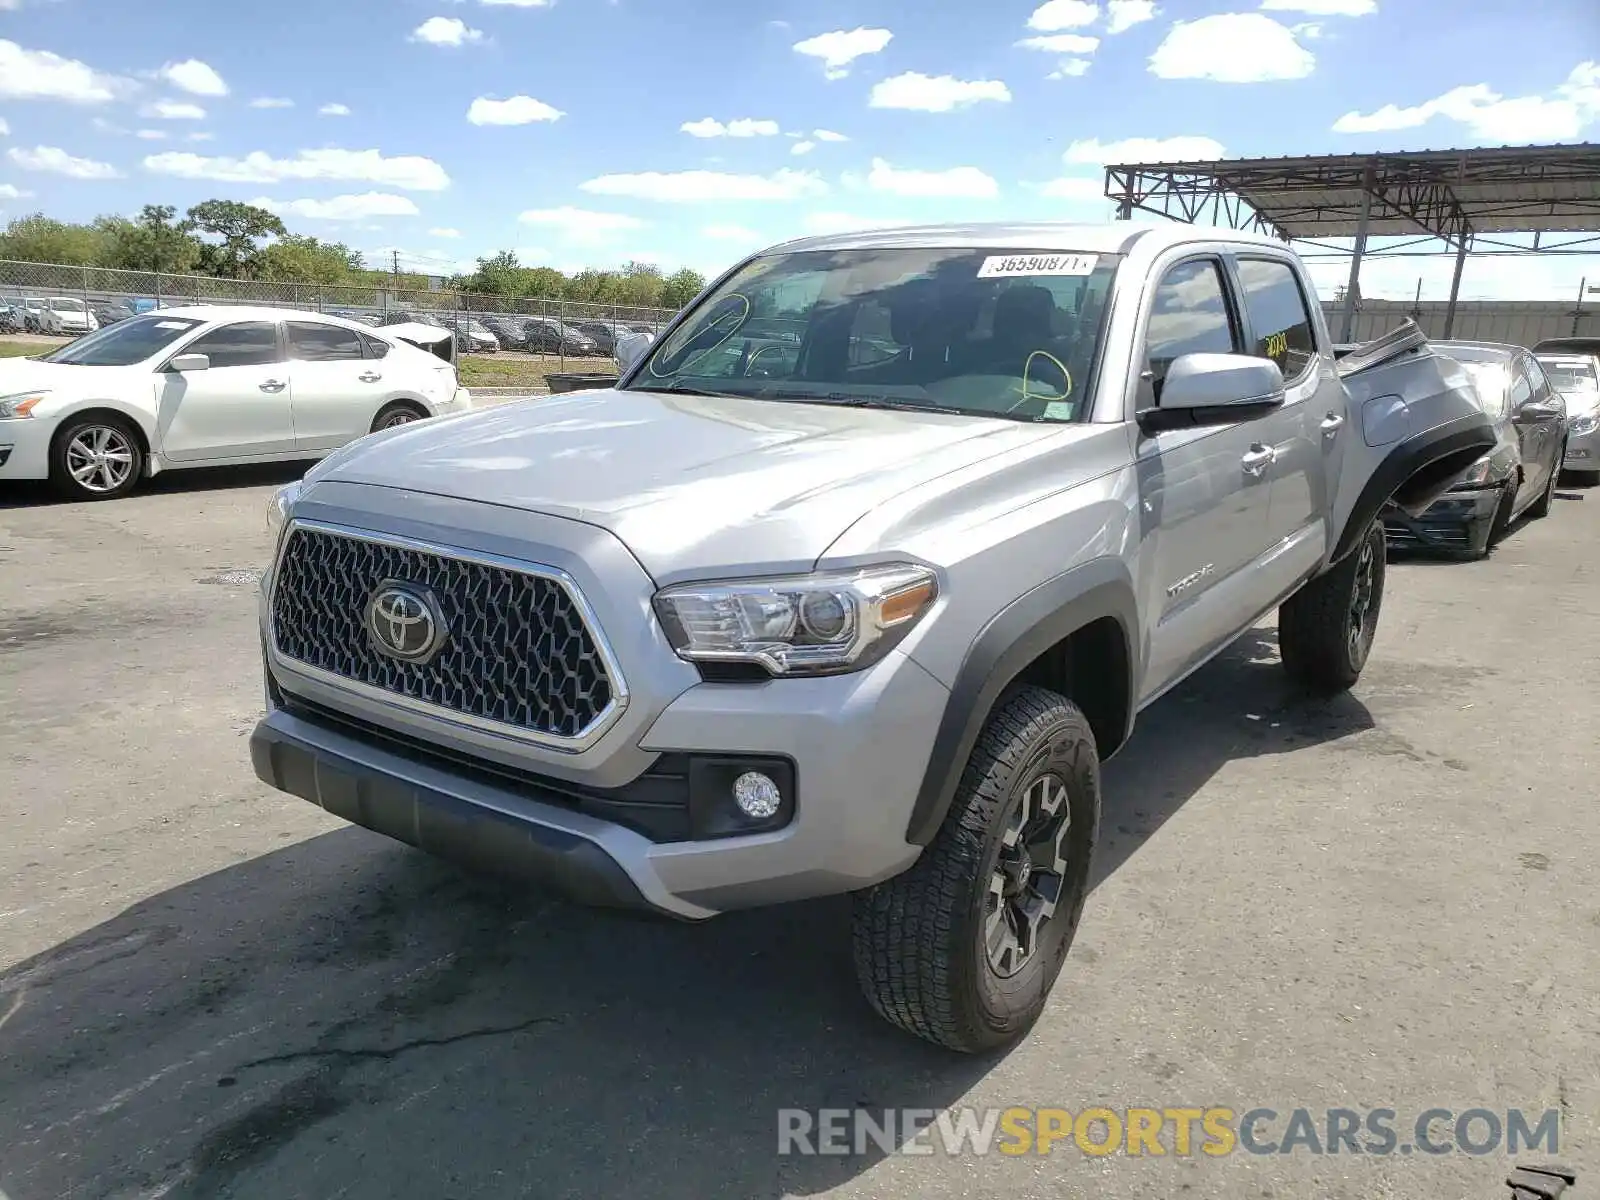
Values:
[(684, 388), (850, 400)]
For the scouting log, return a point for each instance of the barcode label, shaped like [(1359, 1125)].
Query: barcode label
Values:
[(1037, 264)]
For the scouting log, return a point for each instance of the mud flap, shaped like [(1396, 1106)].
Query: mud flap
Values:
[(1416, 426)]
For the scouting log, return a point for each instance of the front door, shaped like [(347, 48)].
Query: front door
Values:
[(1539, 422), (337, 390), (1203, 493), (1306, 433), (239, 406)]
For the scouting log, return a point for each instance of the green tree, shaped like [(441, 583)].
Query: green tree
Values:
[(680, 287), (301, 258), (156, 241), (42, 239), (239, 227)]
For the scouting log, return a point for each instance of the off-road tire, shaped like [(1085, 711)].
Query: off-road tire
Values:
[(1540, 508), (1314, 624), (918, 938)]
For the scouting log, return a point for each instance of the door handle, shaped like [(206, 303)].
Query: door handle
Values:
[(1258, 460), (273, 385), (369, 377), (1331, 425)]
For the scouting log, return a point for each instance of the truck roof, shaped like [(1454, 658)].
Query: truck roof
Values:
[(1106, 237)]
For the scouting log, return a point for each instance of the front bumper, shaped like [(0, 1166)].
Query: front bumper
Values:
[(25, 448), (1457, 523)]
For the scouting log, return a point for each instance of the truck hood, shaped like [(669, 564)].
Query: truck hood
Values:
[(691, 484)]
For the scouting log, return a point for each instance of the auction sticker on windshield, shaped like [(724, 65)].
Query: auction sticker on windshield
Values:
[(997, 266)]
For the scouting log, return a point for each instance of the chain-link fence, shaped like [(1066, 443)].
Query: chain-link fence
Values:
[(146, 289)]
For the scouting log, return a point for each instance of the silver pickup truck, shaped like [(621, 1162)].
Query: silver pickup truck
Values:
[(851, 584)]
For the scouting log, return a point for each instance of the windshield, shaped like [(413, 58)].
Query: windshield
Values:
[(123, 344), (1571, 374), (63, 305), (1008, 334)]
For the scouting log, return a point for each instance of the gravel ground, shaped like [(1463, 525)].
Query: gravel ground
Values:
[(208, 989)]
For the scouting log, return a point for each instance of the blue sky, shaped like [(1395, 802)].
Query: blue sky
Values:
[(585, 132)]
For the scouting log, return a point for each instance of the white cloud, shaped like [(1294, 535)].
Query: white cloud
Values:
[(839, 48), (334, 110), (695, 187), (173, 110), (343, 208), (195, 77), (446, 31), (1123, 15), (271, 102), (41, 75), (517, 3), (201, 136), (828, 135), (1307, 31), (966, 182), (1063, 14), (58, 162), (802, 148), (843, 222), (444, 233), (1560, 116), (1070, 68), (1232, 48), (935, 93), (581, 224), (5, 129), (1061, 43), (744, 127), (1323, 8), (1093, 152), (730, 233), (517, 110), (12, 192), (412, 172), (151, 135)]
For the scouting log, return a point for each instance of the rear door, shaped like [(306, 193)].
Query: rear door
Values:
[(1539, 421), (239, 406), (336, 389), (1203, 492)]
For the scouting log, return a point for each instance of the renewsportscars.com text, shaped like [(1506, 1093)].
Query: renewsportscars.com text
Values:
[(1179, 1131)]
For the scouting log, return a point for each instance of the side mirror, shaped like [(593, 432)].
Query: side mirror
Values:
[(1541, 410), (631, 348), (1215, 389), (190, 362)]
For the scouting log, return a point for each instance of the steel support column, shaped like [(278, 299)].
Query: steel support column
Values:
[(1348, 321), (1455, 285)]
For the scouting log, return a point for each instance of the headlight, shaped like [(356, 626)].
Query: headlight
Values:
[(822, 624), (19, 405), (1583, 425), (1478, 473), (279, 505)]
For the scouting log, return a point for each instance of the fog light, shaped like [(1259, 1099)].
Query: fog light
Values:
[(757, 795)]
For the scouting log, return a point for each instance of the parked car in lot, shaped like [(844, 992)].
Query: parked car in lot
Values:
[(208, 386), (33, 314), (603, 334), (546, 335), (472, 337), (109, 312), (410, 316), (10, 314), (67, 316), (866, 622), (1517, 475), (1573, 367), (507, 331)]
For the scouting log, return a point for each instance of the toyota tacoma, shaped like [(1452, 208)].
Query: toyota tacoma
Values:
[(851, 583)]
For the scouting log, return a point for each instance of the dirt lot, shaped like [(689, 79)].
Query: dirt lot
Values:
[(213, 990)]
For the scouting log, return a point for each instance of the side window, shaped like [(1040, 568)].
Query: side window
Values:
[(312, 341), (1279, 318), (1536, 375), (1189, 316), (1521, 384), (247, 344), (375, 347)]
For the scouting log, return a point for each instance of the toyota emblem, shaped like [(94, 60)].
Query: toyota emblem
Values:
[(405, 623)]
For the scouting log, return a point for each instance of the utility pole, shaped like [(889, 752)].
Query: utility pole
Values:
[(395, 254), (1577, 313)]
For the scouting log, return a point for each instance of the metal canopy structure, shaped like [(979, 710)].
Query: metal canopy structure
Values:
[(1455, 196)]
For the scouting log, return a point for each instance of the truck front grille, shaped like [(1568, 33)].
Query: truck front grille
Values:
[(518, 652)]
